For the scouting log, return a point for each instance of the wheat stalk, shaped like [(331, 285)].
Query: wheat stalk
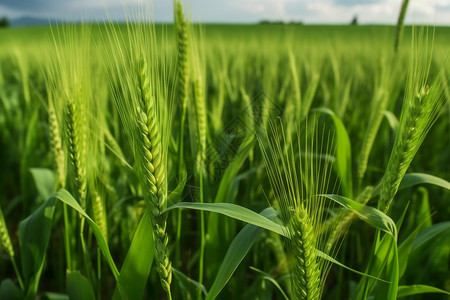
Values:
[(400, 23)]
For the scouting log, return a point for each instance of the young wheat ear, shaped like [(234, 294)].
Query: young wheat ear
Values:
[(422, 105), (57, 147), (154, 173), (306, 270), (4, 237), (298, 178)]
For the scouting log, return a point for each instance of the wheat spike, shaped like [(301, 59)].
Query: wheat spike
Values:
[(306, 270), (4, 237), (154, 173), (57, 148), (76, 140)]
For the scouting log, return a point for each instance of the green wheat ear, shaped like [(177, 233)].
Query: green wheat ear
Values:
[(141, 95), (4, 237), (57, 147), (154, 173), (306, 270), (75, 134), (298, 178), (183, 70), (422, 105)]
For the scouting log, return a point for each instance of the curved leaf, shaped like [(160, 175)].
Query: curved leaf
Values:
[(409, 290), (336, 262), (237, 250), (67, 198), (429, 233), (9, 290), (343, 152), (44, 180), (79, 287), (412, 179), (187, 282), (392, 120), (266, 276), (234, 211), (370, 215), (34, 235)]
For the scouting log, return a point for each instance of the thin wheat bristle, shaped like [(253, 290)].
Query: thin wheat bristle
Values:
[(297, 181)]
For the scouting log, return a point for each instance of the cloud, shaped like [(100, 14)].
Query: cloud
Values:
[(241, 11), (355, 2)]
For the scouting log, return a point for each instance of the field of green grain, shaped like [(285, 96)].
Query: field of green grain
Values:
[(274, 161)]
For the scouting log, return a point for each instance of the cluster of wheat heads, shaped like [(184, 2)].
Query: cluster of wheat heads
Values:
[(299, 175)]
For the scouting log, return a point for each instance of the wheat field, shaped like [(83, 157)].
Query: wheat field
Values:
[(190, 161)]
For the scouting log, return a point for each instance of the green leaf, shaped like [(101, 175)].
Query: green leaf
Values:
[(237, 250), (10, 291), (67, 198), (430, 233), (79, 287), (409, 290), (393, 270), (343, 152), (412, 179), (138, 263), (234, 211), (421, 178), (378, 260), (392, 120), (34, 235), (175, 196), (54, 296), (188, 284), (370, 215), (405, 249), (266, 276), (44, 180)]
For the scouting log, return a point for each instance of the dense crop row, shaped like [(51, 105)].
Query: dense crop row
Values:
[(229, 161)]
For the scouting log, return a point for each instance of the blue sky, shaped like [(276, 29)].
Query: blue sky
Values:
[(243, 11)]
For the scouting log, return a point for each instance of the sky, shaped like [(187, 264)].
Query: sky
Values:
[(434, 12)]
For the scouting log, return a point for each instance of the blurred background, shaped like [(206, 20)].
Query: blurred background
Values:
[(39, 12)]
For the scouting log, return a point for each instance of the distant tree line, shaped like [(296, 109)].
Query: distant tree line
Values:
[(4, 22), (278, 22)]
